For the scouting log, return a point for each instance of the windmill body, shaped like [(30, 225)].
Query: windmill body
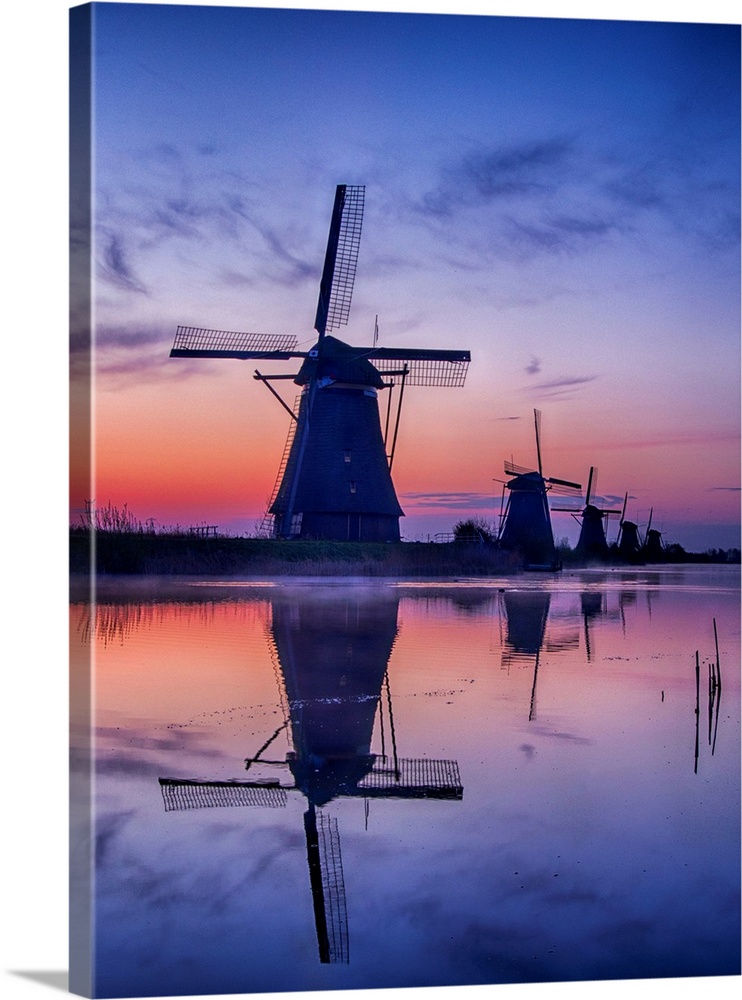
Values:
[(335, 479), (527, 527), (653, 549), (592, 543), (629, 547), (337, 482)]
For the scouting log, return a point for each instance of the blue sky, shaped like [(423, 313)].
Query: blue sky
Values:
[(559, 196)]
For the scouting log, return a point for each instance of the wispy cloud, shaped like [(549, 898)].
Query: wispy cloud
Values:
[(534, 366), (186, 203), (499, 173), (451, 501), (669, 440), (291, 268), (131, 354), (538, 197), (565, 387), (724, 489), (565, 195), (612, 499), (114, 263)]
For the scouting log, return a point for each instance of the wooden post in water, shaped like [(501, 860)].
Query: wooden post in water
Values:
[(698, 710), (718, 664), (718, 688)]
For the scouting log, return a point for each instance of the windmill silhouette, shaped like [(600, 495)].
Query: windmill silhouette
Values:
[(526, 521), (652, 547), (332, 655), (334, 479), (628, 542), (592, 543)]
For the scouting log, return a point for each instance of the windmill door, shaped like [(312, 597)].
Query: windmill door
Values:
[(354, 527)]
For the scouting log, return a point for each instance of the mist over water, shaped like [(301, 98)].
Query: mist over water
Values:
[(343, 785)]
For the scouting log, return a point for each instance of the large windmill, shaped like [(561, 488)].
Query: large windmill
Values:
[(526, 525), (335, 480)]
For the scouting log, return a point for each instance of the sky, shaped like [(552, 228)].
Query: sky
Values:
[(559, 196)]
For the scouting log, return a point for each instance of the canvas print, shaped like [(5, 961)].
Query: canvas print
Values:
[(404, 510)]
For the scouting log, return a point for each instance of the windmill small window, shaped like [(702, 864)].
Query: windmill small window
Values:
[(352, 485), (347, 455)]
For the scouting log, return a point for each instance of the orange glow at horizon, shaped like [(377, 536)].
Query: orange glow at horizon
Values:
[(206, 450)]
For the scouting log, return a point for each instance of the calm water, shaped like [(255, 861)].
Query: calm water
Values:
[(415, 784)]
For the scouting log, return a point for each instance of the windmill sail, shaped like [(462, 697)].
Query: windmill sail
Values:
[(328, 886), (195, 342), (416, 778), (180, 794), (423, 367), (341, 258)]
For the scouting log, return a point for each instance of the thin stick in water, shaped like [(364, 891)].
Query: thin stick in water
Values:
[(698, 710)]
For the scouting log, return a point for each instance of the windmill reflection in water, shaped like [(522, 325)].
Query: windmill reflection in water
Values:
[(526, 614), (332, 655)]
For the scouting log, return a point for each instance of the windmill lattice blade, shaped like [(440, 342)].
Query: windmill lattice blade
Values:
[(437, 373), (191, 341), (564, 482), (418, 778), (592, 484), (537, 422), (511, 469), (341, 258), (423, 367), (183, 793), (333, 889)]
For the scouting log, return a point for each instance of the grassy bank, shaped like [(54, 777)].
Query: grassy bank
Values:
[(162, 554)]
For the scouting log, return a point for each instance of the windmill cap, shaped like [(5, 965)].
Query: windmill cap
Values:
[(334, 359)]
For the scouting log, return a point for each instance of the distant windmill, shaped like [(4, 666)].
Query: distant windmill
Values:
[(526, 526), (332, 654), (334, 480), (592, 543), (628, 542), (652, 548)]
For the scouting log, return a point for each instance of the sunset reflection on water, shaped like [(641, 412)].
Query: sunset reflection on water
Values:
[(505, 771)]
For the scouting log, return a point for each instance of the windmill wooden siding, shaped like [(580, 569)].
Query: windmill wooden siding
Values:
[(343, 490), (337, 483)]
